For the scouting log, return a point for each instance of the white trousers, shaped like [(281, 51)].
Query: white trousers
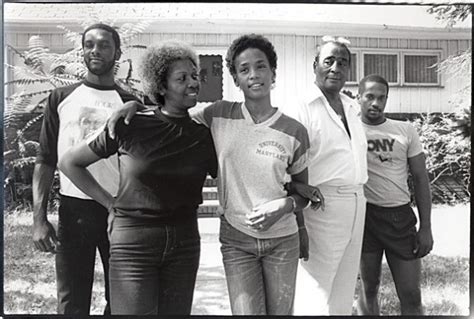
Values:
[(325, 283)]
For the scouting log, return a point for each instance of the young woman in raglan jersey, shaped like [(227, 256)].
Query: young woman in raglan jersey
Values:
[(257, 148), (164, 158)]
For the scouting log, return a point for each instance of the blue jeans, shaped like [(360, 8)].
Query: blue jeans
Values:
[(82, 228), (260, 273), (153, 266)]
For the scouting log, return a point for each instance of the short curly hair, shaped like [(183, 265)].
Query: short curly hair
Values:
[(156, 62), (255, 41)]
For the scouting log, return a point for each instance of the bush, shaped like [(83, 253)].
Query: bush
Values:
[(448, 156)]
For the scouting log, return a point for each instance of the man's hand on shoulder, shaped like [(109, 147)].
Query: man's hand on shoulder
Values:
[(127, 111)]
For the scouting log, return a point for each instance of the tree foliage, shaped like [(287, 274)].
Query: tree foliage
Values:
[(451, 14), (457, 67)]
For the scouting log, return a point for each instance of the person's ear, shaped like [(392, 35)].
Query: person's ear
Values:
[(118, 54), (161, 90), (315, 64), (358, 97), (234, 77)]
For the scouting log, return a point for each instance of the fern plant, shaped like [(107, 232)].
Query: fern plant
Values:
[(39, 72)]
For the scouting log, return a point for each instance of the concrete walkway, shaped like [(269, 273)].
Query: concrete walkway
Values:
[(451, 231), (210, 294)]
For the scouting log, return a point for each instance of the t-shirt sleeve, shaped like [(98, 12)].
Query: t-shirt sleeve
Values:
[(301, 152), (126, 96), (202, 114), (102, 145), (414, 145), (48, 140)]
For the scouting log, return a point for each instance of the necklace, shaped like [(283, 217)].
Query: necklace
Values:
[(264, 117)]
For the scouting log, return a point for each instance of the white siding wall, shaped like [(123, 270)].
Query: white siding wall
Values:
[(295, 57)]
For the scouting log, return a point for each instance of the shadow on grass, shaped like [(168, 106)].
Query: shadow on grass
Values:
[(30, 275), (19, 302), (444, 286)]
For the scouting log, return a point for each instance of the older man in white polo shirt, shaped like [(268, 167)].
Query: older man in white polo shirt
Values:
[(338, 167)]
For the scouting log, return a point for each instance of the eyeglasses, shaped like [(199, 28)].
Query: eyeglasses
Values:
[(330, 38)]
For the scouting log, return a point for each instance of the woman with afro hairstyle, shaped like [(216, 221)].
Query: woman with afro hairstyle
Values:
[(257, 148), (164, 158)]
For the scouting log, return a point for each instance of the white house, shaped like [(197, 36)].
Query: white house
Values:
[(398, 42)]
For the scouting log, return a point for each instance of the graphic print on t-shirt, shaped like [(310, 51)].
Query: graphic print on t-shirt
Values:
[(272, 149), (382, 149), (82, 113), (390, 145), (88, 121)]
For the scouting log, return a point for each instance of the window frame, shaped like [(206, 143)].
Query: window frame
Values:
[(436, 53), (357, 72), (383, 52), (401, 53)]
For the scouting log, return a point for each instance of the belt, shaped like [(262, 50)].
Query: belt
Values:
[(393, 208), (344, 189)]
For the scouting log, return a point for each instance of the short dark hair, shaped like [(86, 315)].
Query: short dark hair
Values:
[(108, 28), (320, 46), (246, 41), (372, 78)]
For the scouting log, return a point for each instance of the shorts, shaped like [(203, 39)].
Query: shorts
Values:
[(392, 229)]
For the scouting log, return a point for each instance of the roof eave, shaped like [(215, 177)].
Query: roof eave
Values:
[(226, 26)]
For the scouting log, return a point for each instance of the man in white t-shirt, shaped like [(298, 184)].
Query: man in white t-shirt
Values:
[(75, 113), (394, 149)]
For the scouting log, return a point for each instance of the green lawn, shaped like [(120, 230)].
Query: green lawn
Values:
[(29, 276)]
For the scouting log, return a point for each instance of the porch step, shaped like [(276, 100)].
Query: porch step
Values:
[(210, 182), (209, 193), (208, 208), (210, 203)]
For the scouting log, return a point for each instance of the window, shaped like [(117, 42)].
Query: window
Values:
[(352, 77), (404, 67), (383, 64), (419, 69), (211, 78)]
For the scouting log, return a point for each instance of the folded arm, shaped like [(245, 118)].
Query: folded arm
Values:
[(74, 165), (264, 216)]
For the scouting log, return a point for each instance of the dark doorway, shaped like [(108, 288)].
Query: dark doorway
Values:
[(211, 78)]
